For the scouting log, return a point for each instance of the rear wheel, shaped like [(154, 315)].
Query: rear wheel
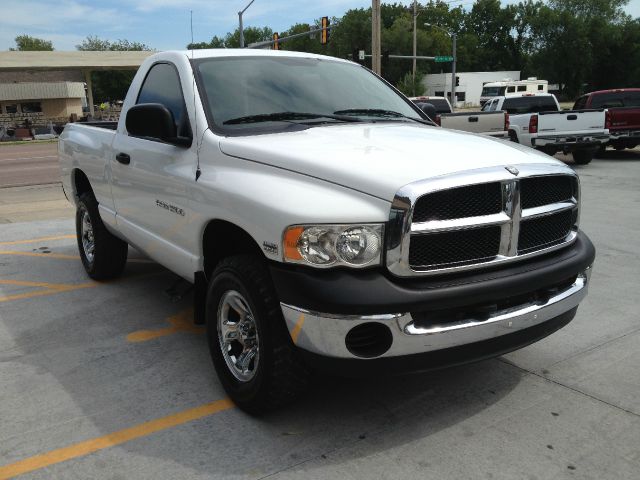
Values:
[(102, 254), (582, 157), (249, 343), (513, 137)]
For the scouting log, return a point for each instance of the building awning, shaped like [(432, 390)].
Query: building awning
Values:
[(72, 60), (40, 91)]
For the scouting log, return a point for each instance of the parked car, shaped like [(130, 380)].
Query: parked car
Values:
[(623, 105), (324, 223), (494, 124), (538, 121)]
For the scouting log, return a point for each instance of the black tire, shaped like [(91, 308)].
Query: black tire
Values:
[(582, 157), (109, 252), (513, 137), (279, 375)]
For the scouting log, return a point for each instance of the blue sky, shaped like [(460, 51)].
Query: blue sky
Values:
[(164, 24)]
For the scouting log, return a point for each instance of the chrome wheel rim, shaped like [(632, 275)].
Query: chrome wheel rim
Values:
[(88, 240), (238, 336)]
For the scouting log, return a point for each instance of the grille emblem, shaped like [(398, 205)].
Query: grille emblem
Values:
[(513, 170)]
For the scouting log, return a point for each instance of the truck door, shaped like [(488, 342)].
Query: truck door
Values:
[(151, 178)]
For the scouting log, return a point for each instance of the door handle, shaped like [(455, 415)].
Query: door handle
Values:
[(572, 117), (473, 119), (123, 158)]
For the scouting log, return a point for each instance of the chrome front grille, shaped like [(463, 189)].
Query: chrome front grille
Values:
[(481, 218)]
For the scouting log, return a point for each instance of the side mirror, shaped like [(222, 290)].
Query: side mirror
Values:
[(429, 109), (155, 121)]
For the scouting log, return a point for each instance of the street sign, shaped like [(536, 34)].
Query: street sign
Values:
[(447, 58), (361, 54)]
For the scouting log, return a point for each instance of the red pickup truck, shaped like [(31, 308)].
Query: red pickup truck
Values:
[(624, 107)]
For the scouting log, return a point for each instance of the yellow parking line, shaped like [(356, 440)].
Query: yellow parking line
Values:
[(112, 439), (39, 254), (61, 256), (23, 283), (48, 289), (182, 322), (36, 240)]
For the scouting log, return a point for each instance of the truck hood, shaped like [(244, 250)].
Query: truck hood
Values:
[(378, 159)]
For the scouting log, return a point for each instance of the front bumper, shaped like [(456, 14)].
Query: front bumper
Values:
[(325, 334), (452, 319)]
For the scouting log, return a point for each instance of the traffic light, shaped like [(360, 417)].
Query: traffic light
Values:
[(275, 41), (324, 34), (457, 81)]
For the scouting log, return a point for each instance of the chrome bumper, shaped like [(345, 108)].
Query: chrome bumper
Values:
[(625, 135), (324, 334), (569, 140)]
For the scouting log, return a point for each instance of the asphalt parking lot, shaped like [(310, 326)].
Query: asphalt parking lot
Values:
[(112, 380)]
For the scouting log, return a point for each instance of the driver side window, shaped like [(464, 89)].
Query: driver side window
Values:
[(162, 85)]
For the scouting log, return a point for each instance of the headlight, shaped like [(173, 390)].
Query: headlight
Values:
[(333, 245)]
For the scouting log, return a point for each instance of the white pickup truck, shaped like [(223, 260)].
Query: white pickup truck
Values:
[(536, 120), (323, 222)]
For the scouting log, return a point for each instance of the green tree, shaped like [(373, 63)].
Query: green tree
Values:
[(110, 85), (27, 43), (580, 44), (412, 88)]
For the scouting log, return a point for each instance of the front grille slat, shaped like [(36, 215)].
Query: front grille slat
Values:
[(539, 191), (543, 232), (456, 247), (461, 202), (451, 236)]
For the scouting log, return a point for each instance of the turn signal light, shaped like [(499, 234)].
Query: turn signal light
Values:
[(291, 237)]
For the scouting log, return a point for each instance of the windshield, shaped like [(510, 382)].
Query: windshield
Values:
[(493, 91), (245, 94)]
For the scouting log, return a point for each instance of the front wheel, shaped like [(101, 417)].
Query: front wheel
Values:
[(102, 254), (249, 343), (582, 157)]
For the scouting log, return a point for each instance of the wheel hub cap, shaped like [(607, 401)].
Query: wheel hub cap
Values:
[(88, 241), (238, 336)]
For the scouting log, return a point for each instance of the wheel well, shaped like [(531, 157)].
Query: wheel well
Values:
[(81, 183), (222, 239)]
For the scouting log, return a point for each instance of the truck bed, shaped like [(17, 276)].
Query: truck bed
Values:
[(489, 123)]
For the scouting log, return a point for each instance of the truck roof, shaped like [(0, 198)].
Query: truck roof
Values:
[(614, 90), (244, 52)]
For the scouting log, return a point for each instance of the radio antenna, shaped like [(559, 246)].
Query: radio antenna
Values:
[(195, 117)]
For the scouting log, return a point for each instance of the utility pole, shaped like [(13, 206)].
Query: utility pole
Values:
[(375, 37), (415, 42), (240, 22), (453, 73)]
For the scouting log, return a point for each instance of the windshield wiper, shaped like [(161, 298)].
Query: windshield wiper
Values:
[(379, 112), (282, 116)]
